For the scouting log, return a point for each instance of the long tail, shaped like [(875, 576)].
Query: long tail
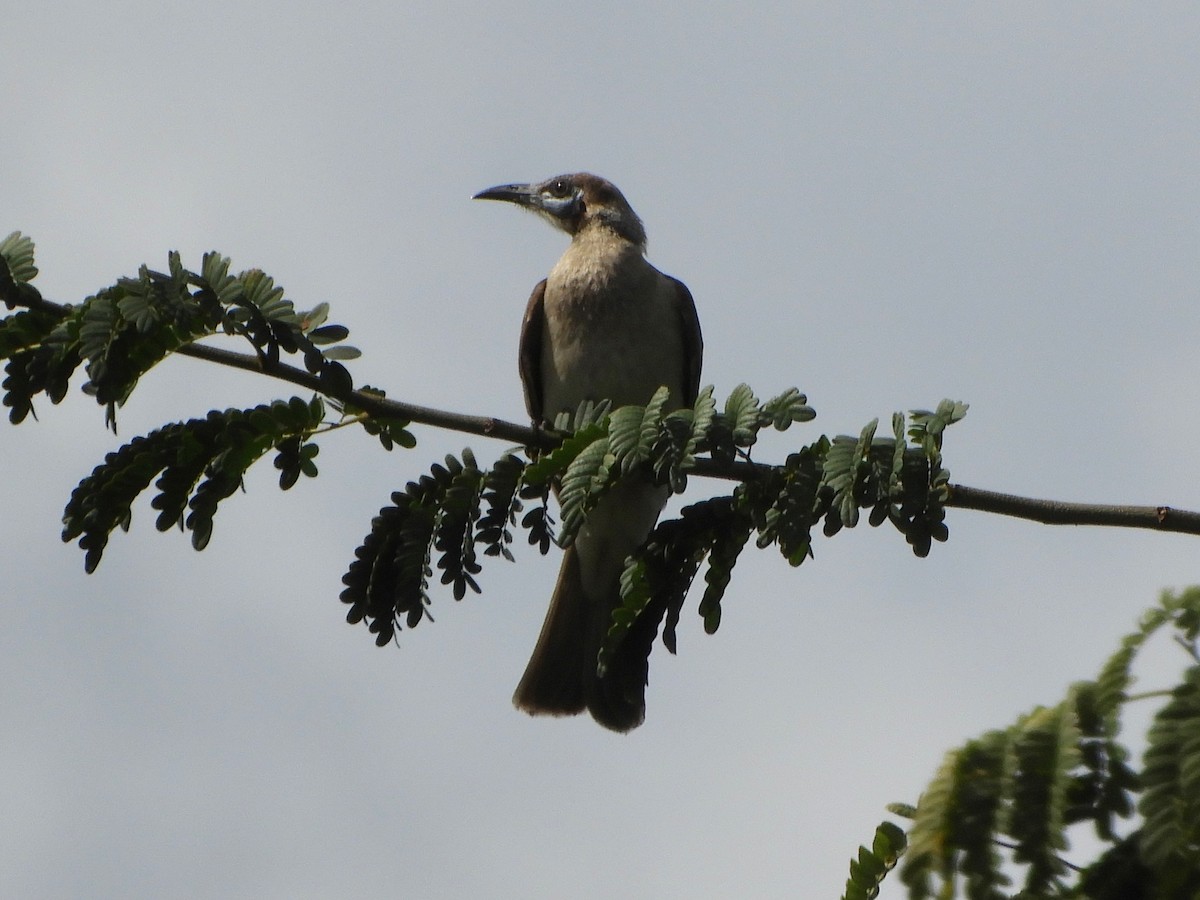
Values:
[(561, 676), (553, 682)]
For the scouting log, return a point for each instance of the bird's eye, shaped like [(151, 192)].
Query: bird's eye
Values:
[(561, 198)]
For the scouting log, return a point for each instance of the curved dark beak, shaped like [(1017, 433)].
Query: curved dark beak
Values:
[(521, 194)]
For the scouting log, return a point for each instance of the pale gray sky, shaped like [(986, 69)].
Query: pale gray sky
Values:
[(883, 205)]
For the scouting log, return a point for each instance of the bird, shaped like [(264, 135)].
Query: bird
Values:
[(604, 324)]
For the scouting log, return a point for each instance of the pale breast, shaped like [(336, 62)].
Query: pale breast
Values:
[(612, 331)]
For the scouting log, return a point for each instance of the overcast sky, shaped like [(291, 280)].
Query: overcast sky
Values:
[(882, 205)]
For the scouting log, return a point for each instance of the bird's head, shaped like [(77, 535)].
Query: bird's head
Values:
[(574, 203)]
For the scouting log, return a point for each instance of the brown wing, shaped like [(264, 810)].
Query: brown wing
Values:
[(529, 359), (693, 343)]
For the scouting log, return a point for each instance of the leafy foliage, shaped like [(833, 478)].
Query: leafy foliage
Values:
[(389, 578), (123, 331), (1170, 804), (871, 866), (391, 432), (17, 253), (909, 489), (1021, 787), (199, 463), (120, 333), (387, 584)]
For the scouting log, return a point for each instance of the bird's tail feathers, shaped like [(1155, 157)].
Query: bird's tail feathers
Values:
[(552, 683), (561, 678)]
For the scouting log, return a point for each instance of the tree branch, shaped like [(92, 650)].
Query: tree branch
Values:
[(1047, 512), (1055, 512), (380, 407)]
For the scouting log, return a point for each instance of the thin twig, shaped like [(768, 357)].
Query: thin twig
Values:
[(1149, 695), (1008, 845), (1056, 512), (1189, 647)]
